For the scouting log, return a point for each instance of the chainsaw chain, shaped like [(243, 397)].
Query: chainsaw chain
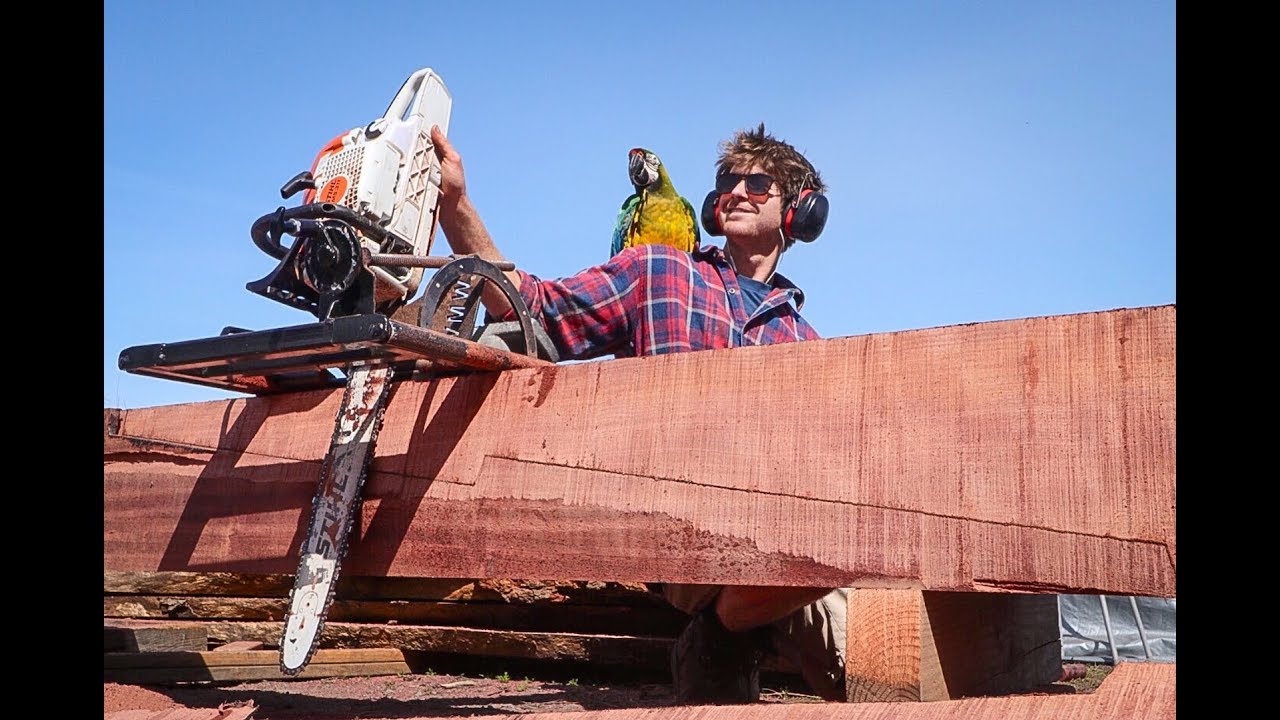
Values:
[(347, 519)]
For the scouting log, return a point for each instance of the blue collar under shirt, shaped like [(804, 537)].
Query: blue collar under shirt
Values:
[(753, 293)]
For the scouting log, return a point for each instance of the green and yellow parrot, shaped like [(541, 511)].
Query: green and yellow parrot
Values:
[(655, 214)]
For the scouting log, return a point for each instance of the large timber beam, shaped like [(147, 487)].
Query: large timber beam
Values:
[(1035, 454)]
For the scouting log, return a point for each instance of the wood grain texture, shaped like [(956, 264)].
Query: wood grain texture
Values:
[(145, 635), (239, 646), (548, 618), (992, 644), (246, 673), (1033, 454), (572, 647), (908, 645), (233, 658), (356, 587), (889, 653)]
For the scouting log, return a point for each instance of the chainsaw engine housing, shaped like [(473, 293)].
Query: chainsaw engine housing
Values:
[(382, 181)]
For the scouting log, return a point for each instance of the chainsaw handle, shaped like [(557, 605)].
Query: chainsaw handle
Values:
[(267, 230), (408, 101), (266, 233)]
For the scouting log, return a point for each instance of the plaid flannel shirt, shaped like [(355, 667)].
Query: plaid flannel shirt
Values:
[(654, 299)]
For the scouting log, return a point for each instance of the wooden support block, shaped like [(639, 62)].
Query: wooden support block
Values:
[(153, 636), (909, 645)]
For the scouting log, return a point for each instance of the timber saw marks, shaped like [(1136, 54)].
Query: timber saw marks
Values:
[(361, 239)]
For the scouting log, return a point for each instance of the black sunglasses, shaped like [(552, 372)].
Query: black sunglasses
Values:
[(757, 183)]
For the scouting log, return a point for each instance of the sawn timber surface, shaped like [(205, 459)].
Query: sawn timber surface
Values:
[(1033, 454)]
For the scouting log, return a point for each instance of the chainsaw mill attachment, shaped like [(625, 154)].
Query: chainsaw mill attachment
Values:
[(360, 243)]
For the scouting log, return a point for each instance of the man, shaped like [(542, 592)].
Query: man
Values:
[(654, 299)]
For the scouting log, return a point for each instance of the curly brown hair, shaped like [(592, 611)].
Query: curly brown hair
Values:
[(791, 169)]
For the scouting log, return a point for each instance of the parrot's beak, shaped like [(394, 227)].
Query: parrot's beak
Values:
[(635, 168)]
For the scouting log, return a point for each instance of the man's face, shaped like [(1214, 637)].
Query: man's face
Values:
[(750, 203)]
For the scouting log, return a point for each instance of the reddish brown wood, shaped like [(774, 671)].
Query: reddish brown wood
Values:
[(134, 635), (631, 651), (907, 645), (231, 713), (239, 646), (1030, 454), (1133, 691)]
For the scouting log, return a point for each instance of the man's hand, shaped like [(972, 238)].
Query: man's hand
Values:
[(462, 225), (453, 183)]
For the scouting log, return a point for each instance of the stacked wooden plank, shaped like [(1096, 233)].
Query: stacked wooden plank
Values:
[(219, 665), (1031, 456), (561, 621)]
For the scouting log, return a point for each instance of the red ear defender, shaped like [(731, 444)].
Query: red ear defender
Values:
[(804, 219), (711, 218), (806, 216)]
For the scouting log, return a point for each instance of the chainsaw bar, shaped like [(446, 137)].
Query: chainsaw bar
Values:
[(333, 513)]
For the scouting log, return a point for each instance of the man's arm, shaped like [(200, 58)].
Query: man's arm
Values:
[(463, 228)]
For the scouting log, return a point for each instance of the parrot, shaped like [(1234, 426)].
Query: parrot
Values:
[(655, 214)]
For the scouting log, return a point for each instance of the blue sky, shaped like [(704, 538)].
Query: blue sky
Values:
[(985, 161)]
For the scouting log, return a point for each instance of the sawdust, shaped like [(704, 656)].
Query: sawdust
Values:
[(116, 697), (434, 695), (399, 697)]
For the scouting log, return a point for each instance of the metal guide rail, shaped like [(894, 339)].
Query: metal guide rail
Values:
[(310, 357)]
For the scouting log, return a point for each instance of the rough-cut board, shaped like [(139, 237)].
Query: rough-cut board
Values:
[(551, 606), (215, 666), (570, 647), (239, 646), (903, 644), (132, 635), (354, 587), (540, 606), (1133, 691), (562, 618), (1034, 454), (542, 618)]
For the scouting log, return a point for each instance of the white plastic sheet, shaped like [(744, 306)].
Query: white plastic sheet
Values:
[(1120, 634)]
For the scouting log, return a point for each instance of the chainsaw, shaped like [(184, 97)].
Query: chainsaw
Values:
[(360, 245)]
